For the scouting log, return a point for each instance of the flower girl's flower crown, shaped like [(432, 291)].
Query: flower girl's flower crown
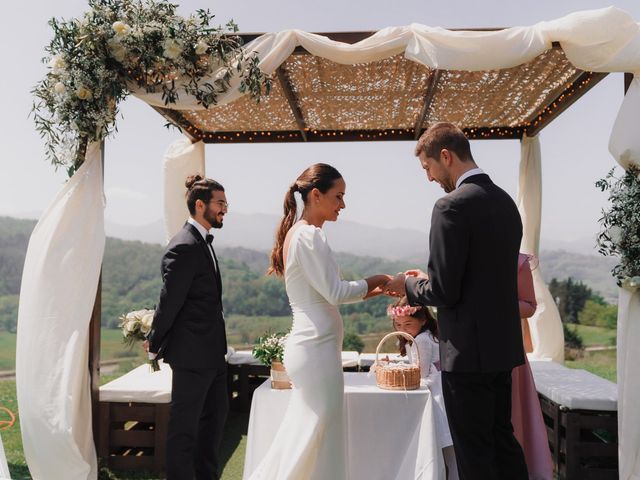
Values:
[(402, 311)]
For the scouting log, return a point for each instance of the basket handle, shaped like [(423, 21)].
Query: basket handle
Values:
[(400, 334)]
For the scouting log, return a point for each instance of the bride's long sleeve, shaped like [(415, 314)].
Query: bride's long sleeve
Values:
[(321, 269)]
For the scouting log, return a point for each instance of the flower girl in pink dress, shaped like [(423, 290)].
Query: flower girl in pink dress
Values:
[(422, 326)]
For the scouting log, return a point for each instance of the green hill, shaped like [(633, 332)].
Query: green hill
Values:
[(131, 278)]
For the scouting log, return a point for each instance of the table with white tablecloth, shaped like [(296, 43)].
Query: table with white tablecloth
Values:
[(390, 435)]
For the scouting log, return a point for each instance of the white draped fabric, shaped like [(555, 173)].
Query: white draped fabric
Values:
[(546, 326), (604, 40), (624, 145), (628, 384), (4, 468), (57, 294), (63, 260), (182, 159)]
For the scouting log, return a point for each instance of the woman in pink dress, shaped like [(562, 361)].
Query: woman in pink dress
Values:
[(526, 415)]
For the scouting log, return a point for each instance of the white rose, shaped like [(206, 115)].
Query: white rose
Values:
[(130, 326), (116, 49), (59, 88), (172, 48), (615, 234), (146, 322), (201, 47), (57, 63), (83, 93), (121, 28)]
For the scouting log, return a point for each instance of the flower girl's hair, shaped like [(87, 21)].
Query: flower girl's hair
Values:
[(402, 309)]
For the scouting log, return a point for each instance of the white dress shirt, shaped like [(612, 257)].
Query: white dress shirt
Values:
[(204, 232), (467, 174)]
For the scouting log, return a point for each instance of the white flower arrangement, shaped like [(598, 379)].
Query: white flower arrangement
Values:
[(135, 327), (270, 348), (92, 61), (620, 233)]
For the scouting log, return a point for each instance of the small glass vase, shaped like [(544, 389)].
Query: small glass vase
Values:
[(279, 378)]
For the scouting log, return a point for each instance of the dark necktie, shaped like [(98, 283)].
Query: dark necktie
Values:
[(209, 239)]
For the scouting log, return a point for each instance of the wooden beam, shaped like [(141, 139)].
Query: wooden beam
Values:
[(402, 134), (581, 85), (175, 117), (94, 361), (428, 98), (285, 83)]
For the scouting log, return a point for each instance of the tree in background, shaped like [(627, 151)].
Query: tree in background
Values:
[(598, 313), (352, 341), (570, 297)]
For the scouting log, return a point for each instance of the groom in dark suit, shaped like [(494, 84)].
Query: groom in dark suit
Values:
[(189, 333), (472, 280)]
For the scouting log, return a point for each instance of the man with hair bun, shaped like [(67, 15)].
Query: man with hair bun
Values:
[(188, 331)]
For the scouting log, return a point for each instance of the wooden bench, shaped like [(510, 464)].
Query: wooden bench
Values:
[(134, 410), (580, 413), (133, 416)]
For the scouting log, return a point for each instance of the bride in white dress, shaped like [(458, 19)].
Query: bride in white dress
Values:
[(310, 441)]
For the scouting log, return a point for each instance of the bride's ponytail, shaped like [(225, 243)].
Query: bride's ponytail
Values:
[(290, 211), (320, 176)]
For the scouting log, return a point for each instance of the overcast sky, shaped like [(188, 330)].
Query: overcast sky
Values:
[(385, 185)]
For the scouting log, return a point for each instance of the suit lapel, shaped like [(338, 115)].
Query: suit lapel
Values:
[(207, 253)]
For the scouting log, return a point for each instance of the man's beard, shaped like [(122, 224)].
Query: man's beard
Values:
[(212, 219), (447, 185)]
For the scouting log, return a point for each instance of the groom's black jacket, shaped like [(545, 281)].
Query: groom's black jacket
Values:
[(188, 327), (473, 264)]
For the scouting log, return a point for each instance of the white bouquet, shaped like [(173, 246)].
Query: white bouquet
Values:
[(135, 327)]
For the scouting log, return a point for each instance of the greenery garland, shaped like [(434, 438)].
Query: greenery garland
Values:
[(117, 43), (620, 234)]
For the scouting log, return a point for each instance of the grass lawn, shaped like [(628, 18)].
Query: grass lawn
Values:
[(7, 351), (596, 336), (232, 452), (601, 363)]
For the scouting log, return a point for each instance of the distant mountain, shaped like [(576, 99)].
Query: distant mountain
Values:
[(257, 231), (365, 249)]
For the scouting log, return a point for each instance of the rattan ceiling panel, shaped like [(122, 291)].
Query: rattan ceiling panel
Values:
[(272, 113), (314, 99), (501, 98), (378, 95)]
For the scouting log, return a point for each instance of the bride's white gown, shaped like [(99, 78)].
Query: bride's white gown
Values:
[(310, 442)]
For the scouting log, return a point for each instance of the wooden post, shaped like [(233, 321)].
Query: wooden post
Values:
[(94, 345), (628, 77)]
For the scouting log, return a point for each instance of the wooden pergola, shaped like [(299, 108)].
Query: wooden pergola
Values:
[(316, 100)]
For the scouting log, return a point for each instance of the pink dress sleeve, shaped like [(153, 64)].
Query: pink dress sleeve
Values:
[(526, 293)]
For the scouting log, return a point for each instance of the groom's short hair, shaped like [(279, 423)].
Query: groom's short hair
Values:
[(444, 135)]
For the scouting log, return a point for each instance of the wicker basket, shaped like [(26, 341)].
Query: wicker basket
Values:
[(398, 376), (279, 378)]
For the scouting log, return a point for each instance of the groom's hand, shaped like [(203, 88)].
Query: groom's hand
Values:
[(395, 286)]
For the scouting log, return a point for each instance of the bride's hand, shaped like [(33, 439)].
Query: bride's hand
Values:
[(380, 281), (416, 273)]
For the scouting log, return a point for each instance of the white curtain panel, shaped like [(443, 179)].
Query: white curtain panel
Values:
[(603, 40), (628, 384), (4, 468), (624, 143), (57, 295), (546, 326), (182, 159)]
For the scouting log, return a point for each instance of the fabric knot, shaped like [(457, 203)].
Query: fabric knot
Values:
[(209, 238)]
